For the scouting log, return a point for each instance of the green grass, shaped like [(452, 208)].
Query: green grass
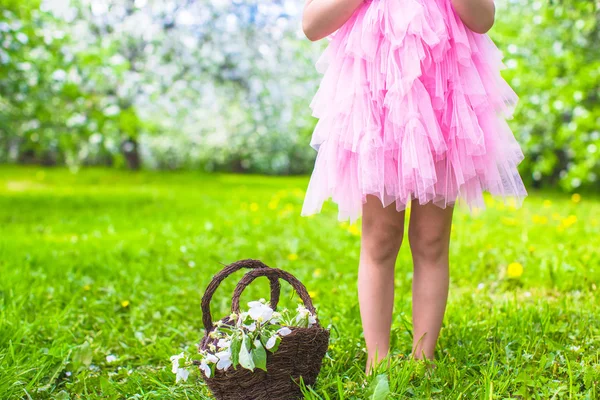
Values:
[(114, 263)]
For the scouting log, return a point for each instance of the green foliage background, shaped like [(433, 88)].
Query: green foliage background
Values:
[(61, 100)]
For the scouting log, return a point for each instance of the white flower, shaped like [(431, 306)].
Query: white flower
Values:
[(205, 368), (259, 311), (271, 342), (284, 331), (175, 361), (302, 313), (211, 358), (111, 358), (275, 318), (305, 315), (182, 374), (251, 327), (224, 359), (223, 343), (302, 309), (241, 318)]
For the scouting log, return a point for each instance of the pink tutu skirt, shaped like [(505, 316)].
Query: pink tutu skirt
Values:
[(411, 106)]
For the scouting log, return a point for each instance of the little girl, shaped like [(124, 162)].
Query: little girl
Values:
[(411, 108)]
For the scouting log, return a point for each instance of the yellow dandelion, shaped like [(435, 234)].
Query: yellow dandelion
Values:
[(292, 256), (317, 273), (514, 270), (312, 293), (125, 303), (87, 287), (353, 229), (273, 204), (540, 219), (547, 204), (576, 198), (253, 207), (570, 220)]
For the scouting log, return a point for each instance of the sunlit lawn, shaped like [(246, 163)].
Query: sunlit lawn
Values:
[(107, 263)]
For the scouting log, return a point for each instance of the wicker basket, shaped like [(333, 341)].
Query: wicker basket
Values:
[(299, 354)]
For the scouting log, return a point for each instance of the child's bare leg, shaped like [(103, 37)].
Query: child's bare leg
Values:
[(382, 232), (429, 237)]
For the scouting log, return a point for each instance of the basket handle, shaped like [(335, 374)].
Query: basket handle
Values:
[(224, 273), (272, 273)]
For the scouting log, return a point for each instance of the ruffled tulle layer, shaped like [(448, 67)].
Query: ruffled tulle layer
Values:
[(411, 106)]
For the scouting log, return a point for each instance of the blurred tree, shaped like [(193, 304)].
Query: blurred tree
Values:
[(226, 84), (553, 63)]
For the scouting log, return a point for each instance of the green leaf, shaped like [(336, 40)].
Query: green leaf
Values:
[(236, 345), (62, 395), (264, 336), (245, 357), (83, 356), (259, 356), (381, 388)]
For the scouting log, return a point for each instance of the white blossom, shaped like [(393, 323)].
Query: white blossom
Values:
[(284, 331), (224, 359), (182, 374), (211, 358), (251, 327), (259, 311), (175, 361), (271, 342), (205, 368)]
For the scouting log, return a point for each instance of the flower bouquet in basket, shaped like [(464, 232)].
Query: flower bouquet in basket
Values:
[(258, 353)]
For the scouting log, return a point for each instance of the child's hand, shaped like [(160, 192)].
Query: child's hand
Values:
[(477, 15), (323, 17)]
